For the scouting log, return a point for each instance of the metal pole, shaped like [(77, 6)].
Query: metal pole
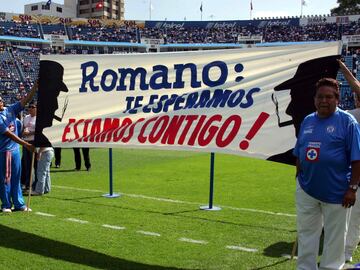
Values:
[(31, 182), (211, 192), (110, 173), (111, 194)]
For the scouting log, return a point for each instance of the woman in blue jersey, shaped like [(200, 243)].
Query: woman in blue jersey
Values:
[(10, 162), (327, 171)]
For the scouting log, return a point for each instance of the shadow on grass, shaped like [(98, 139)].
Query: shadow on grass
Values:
[(278, 249), (270, 265), (62, 171), (31, 243)]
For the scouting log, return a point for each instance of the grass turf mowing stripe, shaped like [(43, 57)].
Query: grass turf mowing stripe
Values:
[(44, 214), (77, 220), (242, 248), (149, 233), (183, 239), (182, 202), (201, 242), (113, 227)]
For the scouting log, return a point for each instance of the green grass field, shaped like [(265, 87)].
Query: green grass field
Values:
[(156, 222)]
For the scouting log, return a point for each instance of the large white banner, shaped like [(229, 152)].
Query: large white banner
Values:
[(215, 101)]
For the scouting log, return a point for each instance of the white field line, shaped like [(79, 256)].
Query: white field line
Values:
[(201, 242), (77, 220), (288, 256), (242, 248), (181, 202), (113, 227), (44, 214), (183, 239), (260, 211), (149, 233)]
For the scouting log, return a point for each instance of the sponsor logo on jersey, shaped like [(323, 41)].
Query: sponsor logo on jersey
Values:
[(330, 129)]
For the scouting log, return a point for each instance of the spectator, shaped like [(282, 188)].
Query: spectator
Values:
[(57, 157), (28, 136), (86, 156), (43, 184)]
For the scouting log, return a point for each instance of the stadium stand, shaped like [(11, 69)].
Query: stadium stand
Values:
[(11, 28), (53, 29), (23, 42), (107, 34)]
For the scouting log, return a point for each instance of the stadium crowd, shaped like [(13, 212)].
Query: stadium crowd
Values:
[(178, 34), (19, 66)]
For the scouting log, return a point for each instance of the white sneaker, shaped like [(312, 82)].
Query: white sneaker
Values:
[(348, 266), (25, 209), (6, 210)]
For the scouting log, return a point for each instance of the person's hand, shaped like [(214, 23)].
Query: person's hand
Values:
[(341, 64), (30, 147), (349, 198), (26, 132), (35, 85)]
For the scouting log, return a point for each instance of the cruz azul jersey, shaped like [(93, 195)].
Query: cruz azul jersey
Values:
[(8, 122), (325, 148)]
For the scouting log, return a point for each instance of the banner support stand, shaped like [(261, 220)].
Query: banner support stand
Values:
[(211, 207), (111, 194)]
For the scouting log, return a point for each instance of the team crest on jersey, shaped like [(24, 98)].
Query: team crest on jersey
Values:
[(330, 129), (312, 154), (313, 151)]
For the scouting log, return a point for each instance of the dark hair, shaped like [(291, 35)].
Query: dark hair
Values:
[(330, 82), (32, 104)]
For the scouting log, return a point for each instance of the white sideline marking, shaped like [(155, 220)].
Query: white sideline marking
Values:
[(77, 220), (242, 248), (44, 214), (201, 242), (182, 202), (288, 256), (157, 199), (260, 211), (113, 227), (149, 233), (79, 189)]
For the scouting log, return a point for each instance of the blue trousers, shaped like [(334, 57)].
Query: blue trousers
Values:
[(11, 193)]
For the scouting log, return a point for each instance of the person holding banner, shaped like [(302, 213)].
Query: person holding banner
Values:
[(327, 173), (353, 233), (10, 162), (353, 82)]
